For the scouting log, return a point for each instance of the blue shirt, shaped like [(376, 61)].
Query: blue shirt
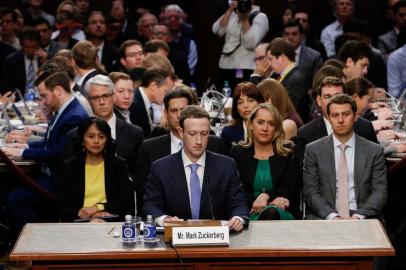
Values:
[(397, 72)]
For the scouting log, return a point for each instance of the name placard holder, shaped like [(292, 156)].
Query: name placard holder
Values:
[(188, 223), (201, 236)]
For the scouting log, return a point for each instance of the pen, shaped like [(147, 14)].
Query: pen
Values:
[(111, 230)]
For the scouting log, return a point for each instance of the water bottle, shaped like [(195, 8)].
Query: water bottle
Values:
[(218, 129), (128, 230), (29, 92), (149, 229), (226, 91)]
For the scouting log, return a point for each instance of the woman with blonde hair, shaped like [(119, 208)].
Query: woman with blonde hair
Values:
[(268, 170), (275, 93)]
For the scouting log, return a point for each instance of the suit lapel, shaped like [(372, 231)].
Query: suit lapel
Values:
[(321, 126), (179, 178), (359, 161), (330, 162)]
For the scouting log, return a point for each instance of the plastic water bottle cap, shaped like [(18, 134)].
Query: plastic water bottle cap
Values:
[(127, 217)]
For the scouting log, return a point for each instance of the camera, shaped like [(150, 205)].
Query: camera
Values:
[(244, 6)]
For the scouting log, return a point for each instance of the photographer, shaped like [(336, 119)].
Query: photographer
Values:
[(244, 27)]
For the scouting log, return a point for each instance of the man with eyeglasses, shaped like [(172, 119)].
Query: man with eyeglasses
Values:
[(128, 137), (131, 55), (263, 67)]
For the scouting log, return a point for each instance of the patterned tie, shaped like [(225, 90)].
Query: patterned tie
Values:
[(195, 191), (51, 124), (30, 73), (342, 200)]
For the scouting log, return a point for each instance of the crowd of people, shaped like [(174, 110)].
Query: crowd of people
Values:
[(126, 133)]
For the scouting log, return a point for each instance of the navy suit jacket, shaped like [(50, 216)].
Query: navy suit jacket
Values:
[(49, 150), (139, 115), (166, 192)]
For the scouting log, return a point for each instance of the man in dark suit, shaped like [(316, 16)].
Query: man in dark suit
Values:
[(55, 93), (96, 32), (307, 59), (49, 47), (20, 67), (4, 51), (321, 127), (155, 84), (128, 137), (155, 148), (206, 185), (282, 57), (344, 175)]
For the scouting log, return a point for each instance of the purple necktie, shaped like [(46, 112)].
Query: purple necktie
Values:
[(195, 191)]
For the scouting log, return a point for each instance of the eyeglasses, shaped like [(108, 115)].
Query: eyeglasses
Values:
[(133, 54), (158, 34), (259, 58), (101, 97)]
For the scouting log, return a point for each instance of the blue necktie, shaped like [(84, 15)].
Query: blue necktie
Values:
[(195, 191)]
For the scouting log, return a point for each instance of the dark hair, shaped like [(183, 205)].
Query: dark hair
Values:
[(41, 20), (244, 88), (180, 92), (52, 79), (279, 46), (154, 45), (94, 12), (154, 75), (57, 64), (334, 62), (330, 81), (321, 74), (342, 99), (192, 111), (128, 43), (29, 33), (356, 50), (396, 7), (359, 86), (6, 11), (102, 126), (85, 54), (293, 23), (341, 39)]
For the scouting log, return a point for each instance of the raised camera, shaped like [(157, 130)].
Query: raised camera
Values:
[(244, 6)]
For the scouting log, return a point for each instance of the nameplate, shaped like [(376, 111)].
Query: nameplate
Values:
[(201, 236)]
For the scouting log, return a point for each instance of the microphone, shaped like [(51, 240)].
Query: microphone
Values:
[(206, 182)]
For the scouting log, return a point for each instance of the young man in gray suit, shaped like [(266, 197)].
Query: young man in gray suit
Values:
[(344, 175)]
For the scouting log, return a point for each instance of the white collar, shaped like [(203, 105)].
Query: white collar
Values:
[(186, 161), (350, 142)]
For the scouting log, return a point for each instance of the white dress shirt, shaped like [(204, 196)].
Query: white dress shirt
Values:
[(328, 126), (112, 125), (329, 35), (176, 143)]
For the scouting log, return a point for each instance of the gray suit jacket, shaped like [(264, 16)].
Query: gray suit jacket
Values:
[(319, 178), (309, 62), (388, 42)]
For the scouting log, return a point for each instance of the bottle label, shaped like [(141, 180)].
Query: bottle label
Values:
[(128, 232), (149, 232)]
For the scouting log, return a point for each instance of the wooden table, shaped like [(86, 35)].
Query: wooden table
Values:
[(266, 245)]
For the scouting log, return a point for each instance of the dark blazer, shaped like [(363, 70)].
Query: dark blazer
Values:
[(110, 55), (317, 129), (388, 42), (319, 178), (232, 134), (159, 147), (4, 51), (14, 72), (295, 84), (71, 188), (309, 62), (139, 115), (284, 172), (54, 47), (50, 150), (166, 192)]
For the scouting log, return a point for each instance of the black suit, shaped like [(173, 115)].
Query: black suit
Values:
[(166, 192), (71, 188), (14, 75), (139, 115), (110, 55), (158, 147), (284, 172), (295, 84), (53, 47)]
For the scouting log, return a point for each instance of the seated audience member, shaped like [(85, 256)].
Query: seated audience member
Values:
[(123, 95), (356, 166), (73, 27), (155, 148), (93, 183), (128, 137), (268, 170), (321, 126), (84, 57), (274, 93), (206, 185), (155, 84), (96, 31), (68, 31), (49, 47), (263, 67), (396, 71), (24, 204), (145, 24), (355, 56), (245, 98), (156, 46), (131, 55), (282, 57)]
